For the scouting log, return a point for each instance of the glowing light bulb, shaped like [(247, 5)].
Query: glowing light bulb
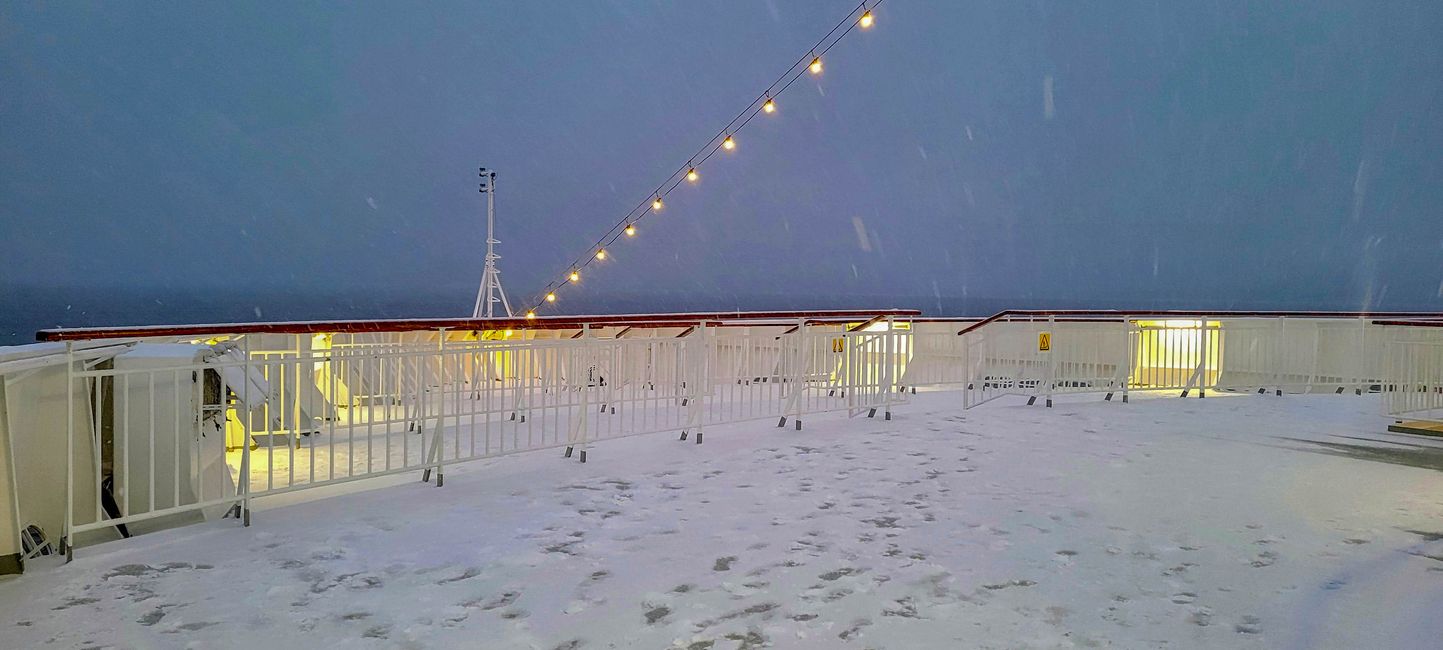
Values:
[(691, 175), (770, 106), (530, 314), (630, 230), (866, 20), (551, 297), (656, 203), (574, 277), (601, 254), (729, 144), (816, 66)]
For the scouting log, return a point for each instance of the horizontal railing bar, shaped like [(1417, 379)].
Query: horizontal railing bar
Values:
[(1410, 323), (155, 514), (432, 324), (1172, 313)]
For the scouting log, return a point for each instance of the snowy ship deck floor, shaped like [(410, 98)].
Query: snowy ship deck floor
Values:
[(1235, 521)]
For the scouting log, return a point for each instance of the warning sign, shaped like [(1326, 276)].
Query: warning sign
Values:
[(1044, 341)]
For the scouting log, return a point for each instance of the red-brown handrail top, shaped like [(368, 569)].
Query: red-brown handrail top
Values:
[(681, 319), (1394, 318)]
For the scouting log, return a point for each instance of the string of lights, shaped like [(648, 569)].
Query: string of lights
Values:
[(859, 17)]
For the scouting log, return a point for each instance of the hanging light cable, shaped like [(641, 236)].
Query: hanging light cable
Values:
[(723, 140)]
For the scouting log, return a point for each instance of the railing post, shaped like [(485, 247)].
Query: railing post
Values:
[(1126, 371), (1202, 362), (791, 355), (888, 360), (577, 435), (1051, 358), (1279, 355), (67, 538), (244, 417), (698, 352), (434, 456), (799, 371), (586, 358), (1363, 358)]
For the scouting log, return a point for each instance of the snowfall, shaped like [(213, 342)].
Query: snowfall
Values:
[(1235, 521)]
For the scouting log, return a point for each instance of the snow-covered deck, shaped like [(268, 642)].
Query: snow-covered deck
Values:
[(1234, 521)]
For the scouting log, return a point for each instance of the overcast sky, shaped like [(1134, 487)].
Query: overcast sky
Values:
[(1238, 153)]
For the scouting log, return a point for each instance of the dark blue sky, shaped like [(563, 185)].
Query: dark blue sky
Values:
[(1202, 153)]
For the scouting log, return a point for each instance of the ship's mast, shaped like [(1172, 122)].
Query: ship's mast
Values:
[(490, 291)]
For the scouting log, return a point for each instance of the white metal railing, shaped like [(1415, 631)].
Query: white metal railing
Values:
[(1119, 353), (163, 431), (1413, 371), (174, 433), (936, 354)]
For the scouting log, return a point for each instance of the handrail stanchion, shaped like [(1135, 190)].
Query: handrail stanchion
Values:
[(888, 372), (244, 476), (68, 540), (438, 441), (1204, 345), (1126, 372), (1051, 359), (1278, 355)]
